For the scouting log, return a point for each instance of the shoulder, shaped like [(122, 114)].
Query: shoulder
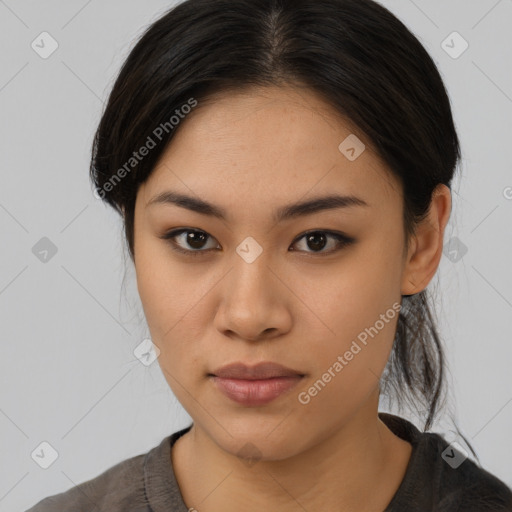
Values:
[(440, 476), (460, 484), (119, 488)]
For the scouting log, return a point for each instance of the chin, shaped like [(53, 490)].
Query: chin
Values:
[(251, 443)]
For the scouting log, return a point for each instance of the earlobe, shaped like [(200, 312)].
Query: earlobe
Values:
[(427, 244)]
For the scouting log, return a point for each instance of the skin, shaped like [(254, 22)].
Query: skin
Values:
[(250, 153)]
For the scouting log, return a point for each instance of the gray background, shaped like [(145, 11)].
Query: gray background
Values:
[(68, 374)]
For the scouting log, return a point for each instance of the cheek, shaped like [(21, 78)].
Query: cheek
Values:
[(161, 283), (161, 290), (173, 306), (347, 367), (362, 324), (360, 307), (359, 291)]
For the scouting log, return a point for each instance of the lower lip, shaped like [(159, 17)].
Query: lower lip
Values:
[(255, 392)]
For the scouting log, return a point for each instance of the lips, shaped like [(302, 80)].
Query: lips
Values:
[(255, 385), (264, 370)]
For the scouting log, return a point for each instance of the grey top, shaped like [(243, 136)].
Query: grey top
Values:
[(146, 482)]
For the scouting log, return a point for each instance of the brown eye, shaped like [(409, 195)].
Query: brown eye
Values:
[(318, 240), (190, 241), (194, 242)]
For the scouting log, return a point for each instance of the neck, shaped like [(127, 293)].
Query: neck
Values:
[(357, 467)]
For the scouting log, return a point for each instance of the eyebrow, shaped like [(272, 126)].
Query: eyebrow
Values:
[(287, 212)]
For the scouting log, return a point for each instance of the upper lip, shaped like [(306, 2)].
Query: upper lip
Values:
[(264, 370)]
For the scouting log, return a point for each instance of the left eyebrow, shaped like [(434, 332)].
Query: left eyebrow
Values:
[(287, 212), (317, 204)]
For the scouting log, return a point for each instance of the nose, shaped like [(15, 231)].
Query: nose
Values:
[(254, 304)]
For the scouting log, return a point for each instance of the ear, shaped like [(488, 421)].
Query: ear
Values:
[(426, 246)]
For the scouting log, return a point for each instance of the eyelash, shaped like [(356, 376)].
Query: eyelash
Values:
[(343, 241)]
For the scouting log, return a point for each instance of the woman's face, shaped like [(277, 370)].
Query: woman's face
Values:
[(252, 288)]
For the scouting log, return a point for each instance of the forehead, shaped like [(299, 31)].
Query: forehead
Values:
[(266, 146)]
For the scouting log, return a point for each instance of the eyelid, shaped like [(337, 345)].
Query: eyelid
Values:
[(175, 247), (343, 240)]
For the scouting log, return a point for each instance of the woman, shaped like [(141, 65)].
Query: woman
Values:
[(283, 171)]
